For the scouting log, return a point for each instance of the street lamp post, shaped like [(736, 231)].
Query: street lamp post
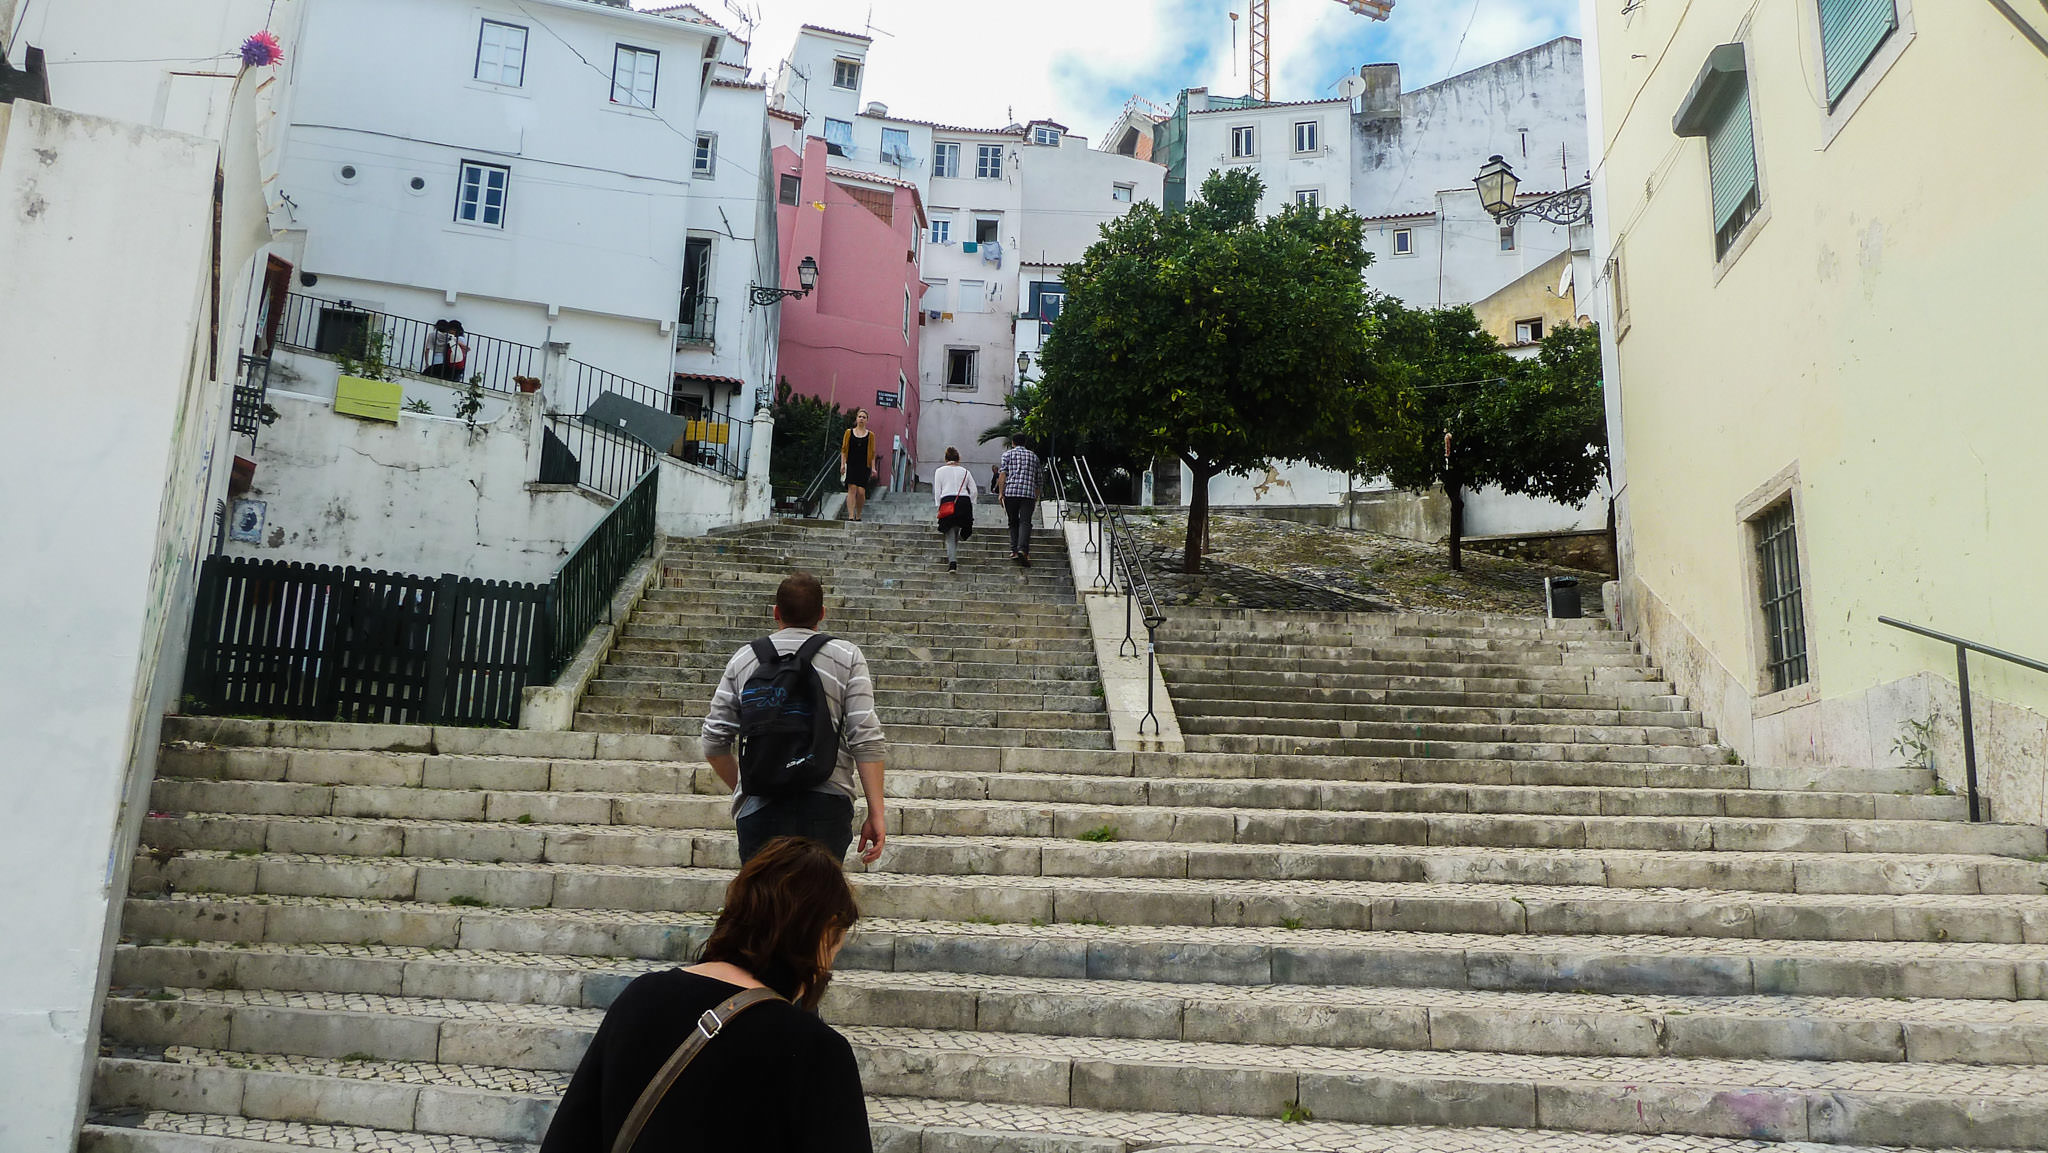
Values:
[(806, 275), (1497, 183)]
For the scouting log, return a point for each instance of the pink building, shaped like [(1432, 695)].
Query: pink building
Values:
[(853, 341)]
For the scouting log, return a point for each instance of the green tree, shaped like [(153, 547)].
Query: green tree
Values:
[(1455, 409), (807, 433), (1207, 334)]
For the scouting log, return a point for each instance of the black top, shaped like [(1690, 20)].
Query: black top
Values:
[(777, 1078)]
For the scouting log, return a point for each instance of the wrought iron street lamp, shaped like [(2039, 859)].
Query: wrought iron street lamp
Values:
[(806, 275), (1023, 365), (1497, 183)]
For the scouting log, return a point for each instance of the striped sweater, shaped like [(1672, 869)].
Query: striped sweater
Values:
[(849, 691)]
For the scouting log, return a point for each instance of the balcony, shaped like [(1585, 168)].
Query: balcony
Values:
[(698, 324)]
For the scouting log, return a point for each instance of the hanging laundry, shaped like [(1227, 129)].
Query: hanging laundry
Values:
[(992, 253)]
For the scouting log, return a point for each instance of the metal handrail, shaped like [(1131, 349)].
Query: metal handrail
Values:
[(582, 591), (1963, 650), (814, 492), (1113, 537)]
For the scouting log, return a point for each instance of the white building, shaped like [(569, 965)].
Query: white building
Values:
[(1302, 151)]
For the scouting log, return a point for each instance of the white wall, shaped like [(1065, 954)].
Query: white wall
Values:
[(597, 205), (1327, 169), (803, 83), (95, 555), (146, 62), (954, 417), (729, 208)]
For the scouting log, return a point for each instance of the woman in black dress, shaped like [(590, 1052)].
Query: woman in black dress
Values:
[(857, 463), (775, 1077)]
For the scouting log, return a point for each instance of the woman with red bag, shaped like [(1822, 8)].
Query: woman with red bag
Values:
[(954, 489)]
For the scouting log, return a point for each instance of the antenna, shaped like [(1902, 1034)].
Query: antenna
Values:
[(871, 25), (748, 16)]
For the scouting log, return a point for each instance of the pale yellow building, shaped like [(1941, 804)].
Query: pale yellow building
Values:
[(1823, 228)]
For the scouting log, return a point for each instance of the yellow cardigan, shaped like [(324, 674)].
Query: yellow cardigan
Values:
[(846, 447)]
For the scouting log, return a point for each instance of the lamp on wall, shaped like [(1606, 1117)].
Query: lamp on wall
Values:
[(806, 276), (1497, 184), (1023, 364)]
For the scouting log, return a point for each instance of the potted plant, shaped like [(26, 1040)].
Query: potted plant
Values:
[(527, 383)]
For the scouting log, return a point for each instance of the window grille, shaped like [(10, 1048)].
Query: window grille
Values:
[(1777, 554)]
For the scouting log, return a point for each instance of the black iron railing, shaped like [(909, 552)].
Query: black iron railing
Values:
[(1963, 650), (574, 451), (581, 594), (332, 327), (813, 495), (315, 642), (716, 442), (700, 325), (252, 390), (587, 382), (1118, 564)]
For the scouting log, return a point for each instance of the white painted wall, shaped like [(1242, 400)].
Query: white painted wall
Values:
[(598, 202), (980, 319), (1327, 169), (95, 557), (733, 208), (146, 62), (803, 81)]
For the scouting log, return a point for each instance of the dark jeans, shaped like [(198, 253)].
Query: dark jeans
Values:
[(825, 817), (1020, 509)]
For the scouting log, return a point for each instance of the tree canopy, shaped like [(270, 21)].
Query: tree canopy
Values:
[(1207, 334)]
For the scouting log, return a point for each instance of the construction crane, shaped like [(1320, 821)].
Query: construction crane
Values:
[(1261, 37)]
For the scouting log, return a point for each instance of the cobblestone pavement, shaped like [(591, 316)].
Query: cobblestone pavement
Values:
[(1254, 562)]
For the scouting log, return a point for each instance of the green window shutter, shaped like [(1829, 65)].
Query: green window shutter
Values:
[(1850, 31), (1731, 160)]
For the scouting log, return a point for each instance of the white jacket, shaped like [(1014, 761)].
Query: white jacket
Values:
[(953, 480)]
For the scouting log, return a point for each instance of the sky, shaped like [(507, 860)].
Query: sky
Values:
[(1077, 61)]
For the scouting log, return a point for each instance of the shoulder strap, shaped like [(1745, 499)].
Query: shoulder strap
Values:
[(808, 651), (764, 651), (708, 1026)]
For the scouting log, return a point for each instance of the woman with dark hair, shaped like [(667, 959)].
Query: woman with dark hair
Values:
[(772, 1075), (857, 463)]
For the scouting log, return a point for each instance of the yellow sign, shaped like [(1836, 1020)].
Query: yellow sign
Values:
[(369, 399)]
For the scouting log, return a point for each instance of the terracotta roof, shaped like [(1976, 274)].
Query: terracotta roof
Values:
[(688, 13), (1400, 216), (1012, 131), (837, 32), (851, 174), (1270, 104), (734, 380), (1054, 123), (752, 84), (792, 117)]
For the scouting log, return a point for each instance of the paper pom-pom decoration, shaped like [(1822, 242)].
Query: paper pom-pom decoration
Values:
[(261, 49)]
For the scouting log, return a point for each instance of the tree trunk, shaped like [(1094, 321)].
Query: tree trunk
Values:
[(1198, 521), (1457, 494)]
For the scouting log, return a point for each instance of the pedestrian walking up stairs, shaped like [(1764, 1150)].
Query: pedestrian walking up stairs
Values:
[(1418, 884)]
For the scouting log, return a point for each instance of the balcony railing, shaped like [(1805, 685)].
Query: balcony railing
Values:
[(699, 326), (312, 324)]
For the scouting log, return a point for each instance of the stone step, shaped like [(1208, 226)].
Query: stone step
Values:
[(1232, 955), (1253, 744), (633, 654), (1214, 696), (890, 701), (1585, 1024), (1026, 650), (1044, 784), (314, 737), (1269, 655), (1778, 1100), (987, 584), (356, 871), (170, 1131), (1461, 647), (922, 630), (689, 701), (1217, 708), (1528, 686), (1570, 733), (667, 722), (1193, 666)]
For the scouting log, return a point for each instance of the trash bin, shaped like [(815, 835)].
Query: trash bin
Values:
[(1564, 598)]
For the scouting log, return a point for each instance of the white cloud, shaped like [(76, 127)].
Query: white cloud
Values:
[(1077, 60)]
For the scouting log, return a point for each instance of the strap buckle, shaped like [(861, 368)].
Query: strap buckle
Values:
[(709, 1024)]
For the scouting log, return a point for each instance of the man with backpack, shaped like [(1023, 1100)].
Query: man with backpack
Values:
[(791, 723)]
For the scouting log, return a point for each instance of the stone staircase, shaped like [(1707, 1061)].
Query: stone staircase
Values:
[(1418, 884)]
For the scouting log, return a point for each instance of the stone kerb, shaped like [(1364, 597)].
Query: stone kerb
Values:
[(1124, 677), (552, 708)]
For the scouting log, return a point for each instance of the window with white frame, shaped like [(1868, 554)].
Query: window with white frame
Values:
[(1507, 238), (635, 72), (1404, 242), (988, 162), (838, 137), (501, 54), (1045, 134), (1241, 141), (1851, 31), (480, 194), (1529, 331), (942, 230), (938, 296), (792, 189), (973, 296), (1310, 197), (1121, 193), (846, 74), (946, 159), (1308, 135), (705, 162), (988, 230), (960, 366), (896, 145)]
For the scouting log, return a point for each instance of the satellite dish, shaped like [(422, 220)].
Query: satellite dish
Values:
[(1564, 282), (1351, 86)]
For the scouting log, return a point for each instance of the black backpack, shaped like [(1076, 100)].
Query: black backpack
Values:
[(788, 743)]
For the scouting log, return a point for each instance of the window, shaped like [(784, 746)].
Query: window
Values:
[(792, 189), (705, 162), (846, 74), (942, 230), (1404, 242), (896, 145), (986, 230), (960, 367), (1241, 141), (1777, 556), (988, 162), (1731, 168), (698, 309), (501, 54), (480, 194), (634, 71), (1850, 33), (1617, 288), (1529, 331), (1310, 197), (1047, 298), (938, 297), (838, 137), (945, 160), (1121, 193), (906, 314), (1045, 134), (1507, 238), (973, 296), (1307, 136)]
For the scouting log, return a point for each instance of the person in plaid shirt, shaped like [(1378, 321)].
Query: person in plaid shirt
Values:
[(1017, 480)]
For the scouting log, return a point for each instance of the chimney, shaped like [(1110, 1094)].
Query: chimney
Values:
[(1381, 98)]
